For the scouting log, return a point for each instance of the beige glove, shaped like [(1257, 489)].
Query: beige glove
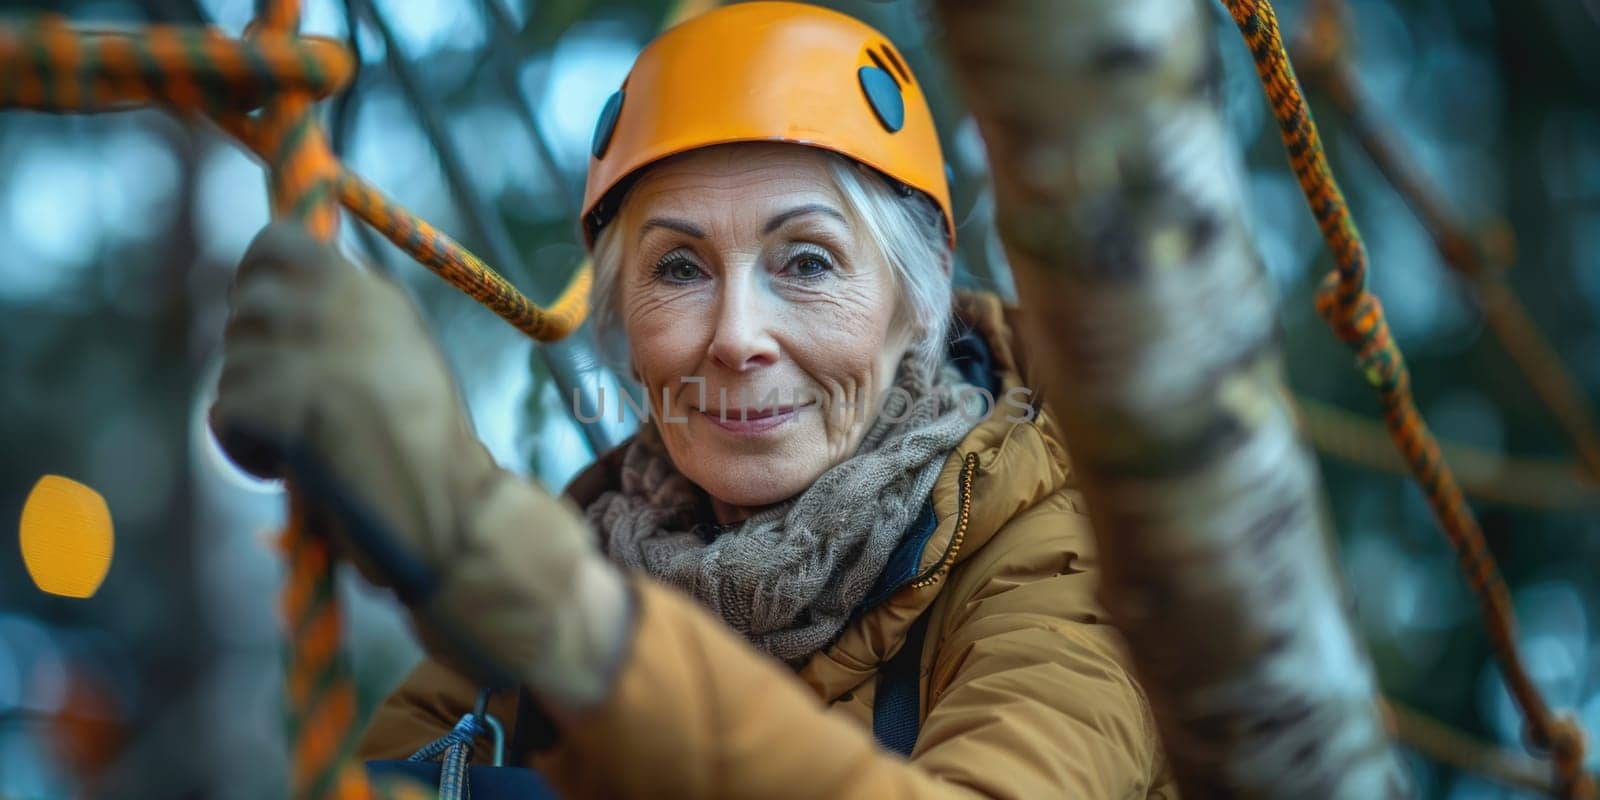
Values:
[(330, 380)]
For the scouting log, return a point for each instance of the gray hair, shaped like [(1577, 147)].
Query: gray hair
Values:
[(907, 230)]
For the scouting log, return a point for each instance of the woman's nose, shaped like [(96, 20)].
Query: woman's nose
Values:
[(742, 339)]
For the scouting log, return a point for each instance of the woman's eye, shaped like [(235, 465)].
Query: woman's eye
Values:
[(678, 270), (809, 265)]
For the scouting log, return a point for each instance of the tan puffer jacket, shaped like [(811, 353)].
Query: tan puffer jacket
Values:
[(1026, 690)]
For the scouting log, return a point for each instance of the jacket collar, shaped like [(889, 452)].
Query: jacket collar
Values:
[(1003, 467)]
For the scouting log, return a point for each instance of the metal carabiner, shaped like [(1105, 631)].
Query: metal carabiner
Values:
[(499, 739), (480, 711)]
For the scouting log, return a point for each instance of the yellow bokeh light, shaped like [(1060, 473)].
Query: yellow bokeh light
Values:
[(66, 537)]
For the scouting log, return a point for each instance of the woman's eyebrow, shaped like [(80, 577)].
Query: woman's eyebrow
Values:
[(682, 226), (812, 208)]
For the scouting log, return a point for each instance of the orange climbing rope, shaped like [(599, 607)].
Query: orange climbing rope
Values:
[(320, 689), (1357, 317), (51, 66), (1544, 484)]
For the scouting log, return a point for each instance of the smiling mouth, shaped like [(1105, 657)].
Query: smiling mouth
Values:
[(753, 414), (752, 421)]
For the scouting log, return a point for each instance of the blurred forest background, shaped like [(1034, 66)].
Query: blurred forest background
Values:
[(119, 235)]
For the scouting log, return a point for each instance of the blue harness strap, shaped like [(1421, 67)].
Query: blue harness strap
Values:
[(896, 717)]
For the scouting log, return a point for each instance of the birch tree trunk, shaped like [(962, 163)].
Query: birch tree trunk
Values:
[(1153, 333)]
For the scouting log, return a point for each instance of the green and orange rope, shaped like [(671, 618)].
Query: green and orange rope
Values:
[(1356, 316), (1544, 484), (52, 66), (320, 688)]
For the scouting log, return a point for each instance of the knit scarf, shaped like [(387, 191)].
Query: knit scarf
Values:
[(790, 576)]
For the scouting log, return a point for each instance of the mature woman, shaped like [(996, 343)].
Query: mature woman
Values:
[(818, 504)]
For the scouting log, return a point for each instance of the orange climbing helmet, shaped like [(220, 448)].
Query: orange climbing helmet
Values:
[(766, 72)]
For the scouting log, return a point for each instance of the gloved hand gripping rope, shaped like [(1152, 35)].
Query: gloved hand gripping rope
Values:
[(559, 611)]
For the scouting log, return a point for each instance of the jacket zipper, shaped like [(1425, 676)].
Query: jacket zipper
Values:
[(969, 467)]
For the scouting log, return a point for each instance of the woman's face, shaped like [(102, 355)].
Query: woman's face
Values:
[(758, 318)]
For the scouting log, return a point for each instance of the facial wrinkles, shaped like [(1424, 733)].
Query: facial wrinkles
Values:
[(818, 329), (735, 256), (823, 337), (822, 330)]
